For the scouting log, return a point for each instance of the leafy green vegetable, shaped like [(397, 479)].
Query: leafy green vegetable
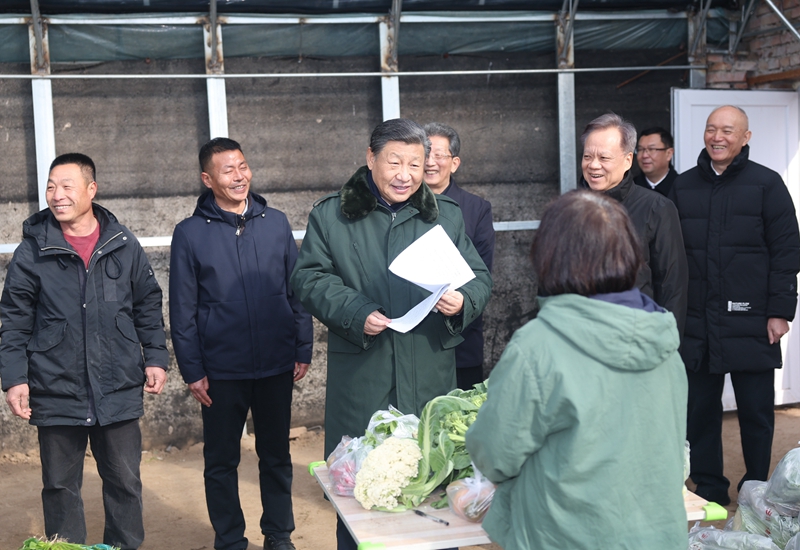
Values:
[(55, 544), (442, 425)]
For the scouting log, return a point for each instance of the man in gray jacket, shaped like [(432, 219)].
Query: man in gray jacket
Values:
[(79, 307)]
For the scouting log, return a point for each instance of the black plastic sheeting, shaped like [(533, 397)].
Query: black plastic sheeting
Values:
[(336, 6)]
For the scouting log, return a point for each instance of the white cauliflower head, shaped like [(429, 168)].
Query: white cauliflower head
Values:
[(387, 469)]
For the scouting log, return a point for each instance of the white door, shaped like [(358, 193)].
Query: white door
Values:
[(774, 121)]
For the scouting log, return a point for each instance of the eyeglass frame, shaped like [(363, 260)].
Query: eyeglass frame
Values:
[(650, 150), (441, 158)]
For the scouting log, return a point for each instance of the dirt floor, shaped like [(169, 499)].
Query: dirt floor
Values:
[(174, 503)]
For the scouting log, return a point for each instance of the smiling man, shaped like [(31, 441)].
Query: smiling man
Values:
[(742, 238), (82, 334), (654, 157), (608, 145), (241, 339), (342, 278)]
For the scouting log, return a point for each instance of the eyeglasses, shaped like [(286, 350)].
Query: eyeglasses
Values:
[(438, 157), (239, 225), (650, 150)]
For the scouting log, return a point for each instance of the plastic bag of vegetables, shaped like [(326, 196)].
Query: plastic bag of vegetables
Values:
[(755, 515), (55, 544), (709, 538), (392, 422), (344, 463), (470, 497), (783, 488)]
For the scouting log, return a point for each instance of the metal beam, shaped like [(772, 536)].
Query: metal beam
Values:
[(390, 85), (697, 54), (783, 19), (42, 94), (565, 53), (348, 74), (215, 66), (748, 11)]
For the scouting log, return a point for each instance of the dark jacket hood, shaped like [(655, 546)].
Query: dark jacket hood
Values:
[(207, 208), (737, 165), (358, 201), (46, 231)]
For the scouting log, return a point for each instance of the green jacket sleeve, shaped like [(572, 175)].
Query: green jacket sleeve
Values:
[(322, 291)]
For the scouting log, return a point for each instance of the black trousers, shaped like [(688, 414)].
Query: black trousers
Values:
[(270, 401), (117, 449), (755, 398)]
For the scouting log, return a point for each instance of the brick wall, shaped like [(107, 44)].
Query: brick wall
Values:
[(767, 48)]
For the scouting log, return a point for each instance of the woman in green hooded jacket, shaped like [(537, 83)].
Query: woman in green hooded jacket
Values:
[(583, 430)]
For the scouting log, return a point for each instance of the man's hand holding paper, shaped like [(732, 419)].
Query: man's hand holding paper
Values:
[(433, 263)]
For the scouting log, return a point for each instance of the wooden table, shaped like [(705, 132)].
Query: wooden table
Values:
[(375, 530)]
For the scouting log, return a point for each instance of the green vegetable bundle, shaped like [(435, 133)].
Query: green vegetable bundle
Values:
[(442, 426), (55, 544)]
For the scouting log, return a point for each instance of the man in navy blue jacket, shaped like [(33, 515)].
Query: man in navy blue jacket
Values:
[(241, 339), (440, 165)]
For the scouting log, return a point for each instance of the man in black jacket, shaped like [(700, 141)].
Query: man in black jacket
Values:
[(441, 164), (608, 144), (80, 304), (654, 157), (241, 339), (743, 246)]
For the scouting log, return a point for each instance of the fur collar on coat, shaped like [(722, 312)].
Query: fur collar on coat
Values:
[(358, 201)]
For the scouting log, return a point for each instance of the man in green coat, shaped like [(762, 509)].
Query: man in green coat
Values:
[(342, 278)]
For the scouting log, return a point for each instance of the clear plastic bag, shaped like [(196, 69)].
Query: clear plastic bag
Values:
[(345, 462), (470, 497), (783, 488), (759, 517), (392, 422), (709, 538), (793, 544)]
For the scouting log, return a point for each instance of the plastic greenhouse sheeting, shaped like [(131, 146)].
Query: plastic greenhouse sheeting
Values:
[(327, 6), (106, 42)]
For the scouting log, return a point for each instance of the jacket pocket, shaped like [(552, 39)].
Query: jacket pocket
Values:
[(53, 366), (337, 344), (128, 363), (364, 270)]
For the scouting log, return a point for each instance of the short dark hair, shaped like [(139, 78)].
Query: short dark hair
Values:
[(398, 129), (216, 145), (445, 131), (586, 244), (627, 132), (84, 162), (666, 137)]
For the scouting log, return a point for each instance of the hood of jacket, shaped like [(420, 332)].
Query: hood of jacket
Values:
[(207, 208), (46, 231), (737, 165), (619, 337), (357, 201)]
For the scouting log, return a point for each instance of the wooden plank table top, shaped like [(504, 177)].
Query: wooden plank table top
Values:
[(374, 529)]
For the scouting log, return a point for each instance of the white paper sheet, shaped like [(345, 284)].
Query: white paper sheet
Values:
[(434, 263)]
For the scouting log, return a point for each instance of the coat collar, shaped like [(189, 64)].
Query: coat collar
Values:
[(619, 192), (207, 208), (45, 229), (357, 202), (736, 165)]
